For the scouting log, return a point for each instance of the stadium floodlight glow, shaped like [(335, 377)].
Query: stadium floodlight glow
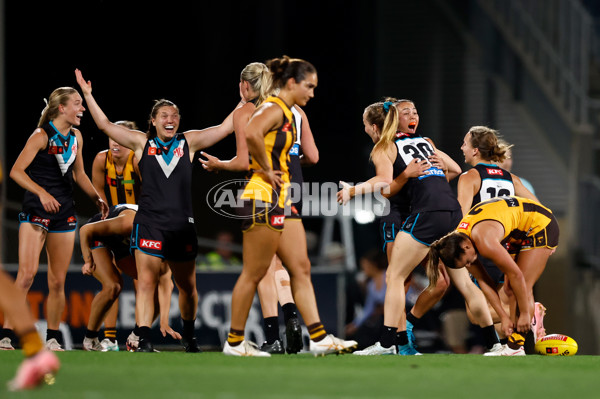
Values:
[(364, 216)]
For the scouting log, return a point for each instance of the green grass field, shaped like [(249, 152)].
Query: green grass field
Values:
[(93, 375)]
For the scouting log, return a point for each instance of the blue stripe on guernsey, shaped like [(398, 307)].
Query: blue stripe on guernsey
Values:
[(65, 157), (62, 231), (169, 155), (385, 241), (169, 159), (295, 149)]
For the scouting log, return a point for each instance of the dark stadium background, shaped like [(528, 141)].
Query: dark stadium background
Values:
[(192, 52)]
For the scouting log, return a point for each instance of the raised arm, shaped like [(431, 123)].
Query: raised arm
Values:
[(36, 142), (132, 139), (310, 152), (82, 179)]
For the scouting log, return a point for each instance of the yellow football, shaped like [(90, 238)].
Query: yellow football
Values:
[(556, 345)]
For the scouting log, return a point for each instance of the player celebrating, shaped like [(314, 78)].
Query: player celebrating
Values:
[(164, 224), (46, 168)]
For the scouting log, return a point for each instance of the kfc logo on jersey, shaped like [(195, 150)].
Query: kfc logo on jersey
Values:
[(495, 172), (151, 244), (286, 127), (71, 219), (152, 151), (74, 148), (277, 220), (178, 152), (463, 225)]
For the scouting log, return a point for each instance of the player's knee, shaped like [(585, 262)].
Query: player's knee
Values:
[(25, 280), (56, 285), (113, 289), (300, 271)]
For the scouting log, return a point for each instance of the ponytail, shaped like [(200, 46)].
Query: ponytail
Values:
[(58, 97), (447, 250), (390, 126), (285, 68), (432, 263), (488, 142), (259, 77)]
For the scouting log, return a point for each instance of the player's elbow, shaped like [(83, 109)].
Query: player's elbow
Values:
[(311, 158)]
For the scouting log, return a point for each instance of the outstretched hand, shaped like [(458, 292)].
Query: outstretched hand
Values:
[(343, 196), (211, 163), (86, 86)]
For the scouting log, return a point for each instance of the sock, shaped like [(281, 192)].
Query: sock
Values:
[(110, 333), (504, 341), (188, 328), (316, 332), (515, 341), (56, 334), (144, 333), (91, 334), (290, 311), (414, 320), (235, 337), (401, 338), (136, 330), (388, 336), (489, 336), (31, 343), (9, 333), (271, 325)]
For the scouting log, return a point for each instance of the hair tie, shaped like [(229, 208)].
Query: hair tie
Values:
[(386, 105)]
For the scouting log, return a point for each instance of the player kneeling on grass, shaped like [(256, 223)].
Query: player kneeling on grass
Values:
[(486, 229), (105, 250)]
